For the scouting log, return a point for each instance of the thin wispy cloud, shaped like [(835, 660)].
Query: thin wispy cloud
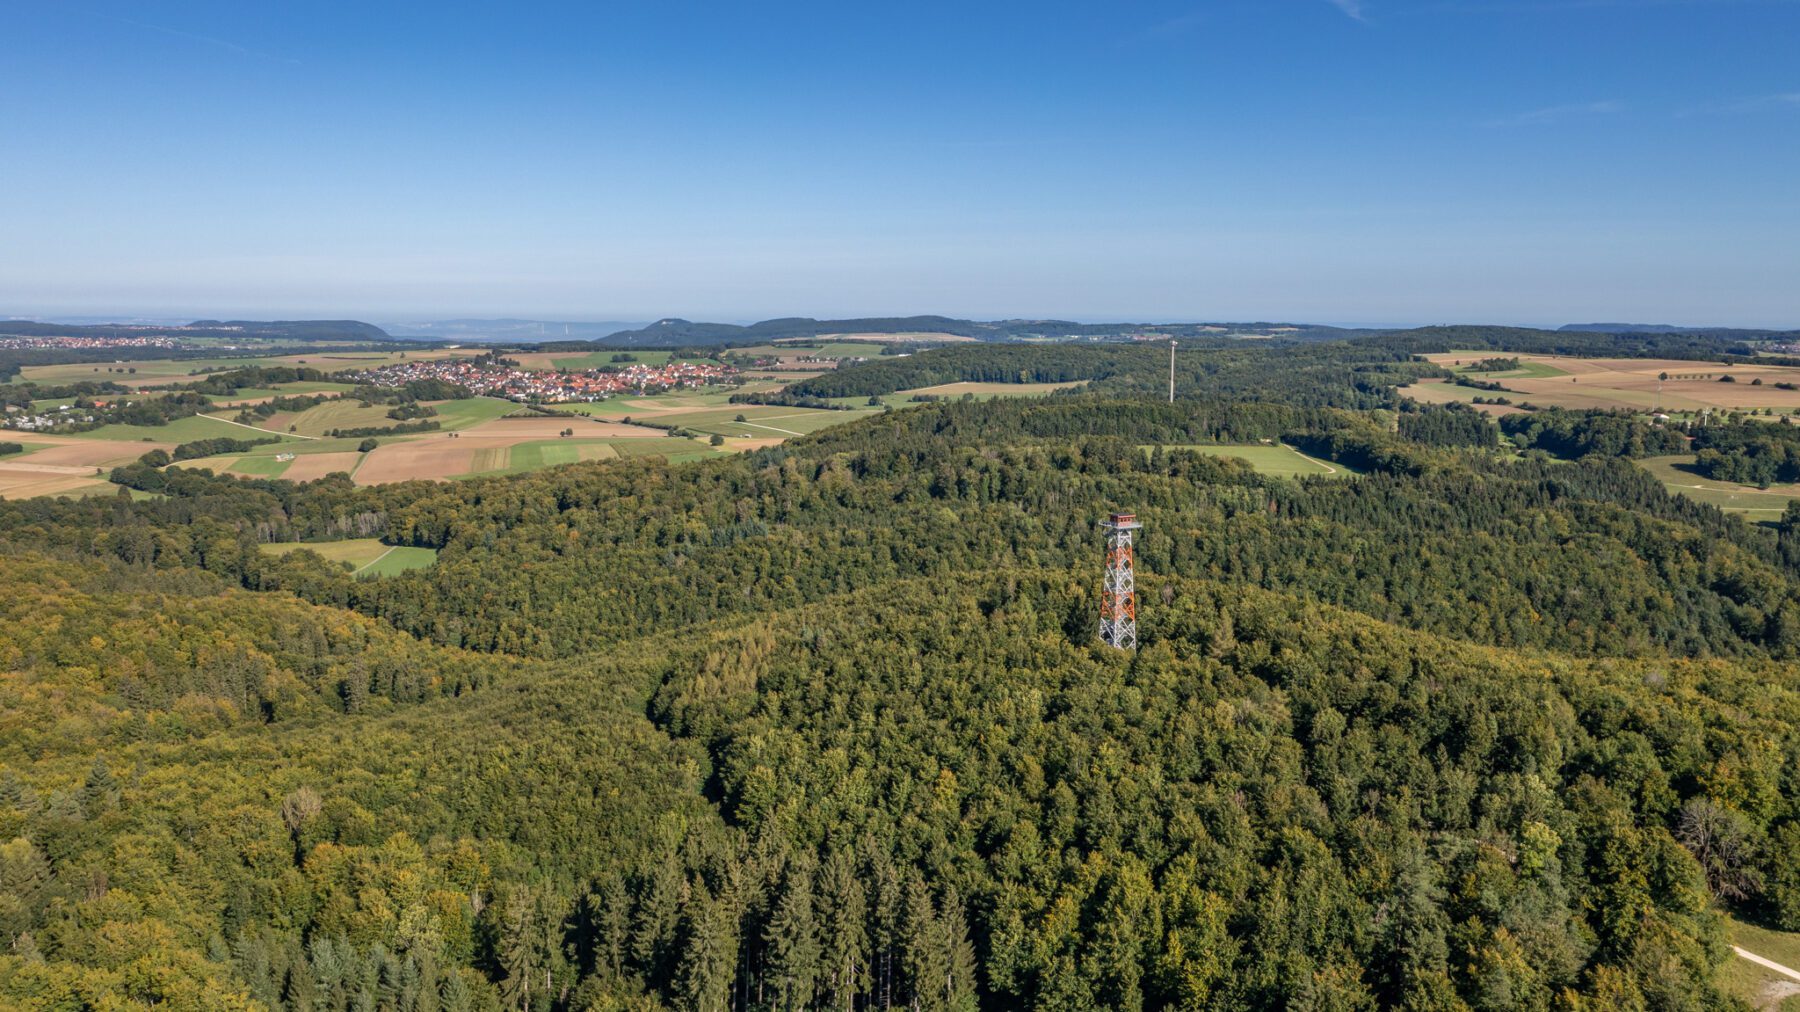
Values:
[(208, 40), (1745, 105), (1557, 114), (1352, 9)]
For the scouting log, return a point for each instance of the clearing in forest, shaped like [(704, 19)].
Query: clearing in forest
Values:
[(365, 556), (1679, 475), (1276, 459)]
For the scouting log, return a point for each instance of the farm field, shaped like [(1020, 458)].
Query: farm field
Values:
[(489, 447), (256, 395), (761, 421), (484, 443), (1677, 474), (366, 556), (1440, 392), (711, 413), (181, 430), (322, 419), (1280, 460), (65, 465), (156, 372), (1630, 383)]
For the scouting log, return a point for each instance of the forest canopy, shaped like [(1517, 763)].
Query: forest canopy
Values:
[(826, 724)]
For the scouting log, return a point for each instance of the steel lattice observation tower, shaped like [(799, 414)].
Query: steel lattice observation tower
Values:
[(1118, 594)]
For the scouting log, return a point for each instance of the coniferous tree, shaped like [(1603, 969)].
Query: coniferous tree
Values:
[(517, 949), (843, 919), (709, 952), (793, 940)]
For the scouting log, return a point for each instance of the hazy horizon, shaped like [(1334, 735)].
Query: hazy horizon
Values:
[(1535, 163), (389, 321)]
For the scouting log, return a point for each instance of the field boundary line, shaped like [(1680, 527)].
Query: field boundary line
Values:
[(772, 428), (254, 428), (1328, 468), (1767, 963), (376, 559)]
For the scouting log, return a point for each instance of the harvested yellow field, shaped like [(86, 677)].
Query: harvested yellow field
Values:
[(433, 459), (90, 453), (1440, 392), (1631, 383), (312, 466), (22, 480), (518, 429)]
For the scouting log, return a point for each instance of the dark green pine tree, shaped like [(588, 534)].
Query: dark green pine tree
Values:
[(454, 994), (657, 915), (793, 940), (885, 920), (953, 931), (100, 792), (609, 910), (516, 950), (922, 943), (843, 915), (709, 952)]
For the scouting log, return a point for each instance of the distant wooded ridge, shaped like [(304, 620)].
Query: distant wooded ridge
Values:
[(679, 333), (688, 333), (1661, 328), (291, 330)]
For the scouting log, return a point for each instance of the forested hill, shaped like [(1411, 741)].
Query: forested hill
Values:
[(825, 725)]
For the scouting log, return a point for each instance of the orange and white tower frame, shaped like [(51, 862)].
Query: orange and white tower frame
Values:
[(1118, 594)]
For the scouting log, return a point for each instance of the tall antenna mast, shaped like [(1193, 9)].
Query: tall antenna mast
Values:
[(1118, 594), (1171, 371)]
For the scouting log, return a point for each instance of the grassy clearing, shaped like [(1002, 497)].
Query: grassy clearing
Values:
[(181, 430), (157, 371), (323, 418), (399, 560), (535, 456), (284, 390), (260, 467), (365, 556), (1678, 475), (761, 421), (1280, 460), (1758, 985), (1528, 368), (470, 411)]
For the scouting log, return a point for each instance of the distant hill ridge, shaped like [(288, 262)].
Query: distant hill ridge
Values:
[(294, 330), (511, 329), (678, 332), (1658, 328)]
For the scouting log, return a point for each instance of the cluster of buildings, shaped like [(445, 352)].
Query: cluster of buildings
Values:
[(23, 419), (493, 379), (21, 343)]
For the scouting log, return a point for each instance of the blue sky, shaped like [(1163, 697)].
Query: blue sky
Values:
[(1353, 161)]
